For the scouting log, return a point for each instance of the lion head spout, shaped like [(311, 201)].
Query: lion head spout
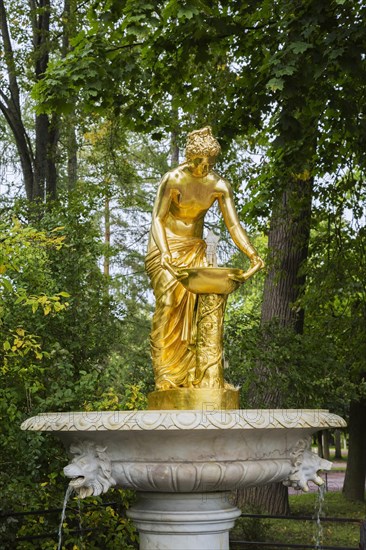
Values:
[(305, 466), (90, 469)]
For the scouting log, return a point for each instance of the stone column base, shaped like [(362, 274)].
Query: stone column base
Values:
[(182, 521)]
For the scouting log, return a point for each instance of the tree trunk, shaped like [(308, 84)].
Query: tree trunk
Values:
[(22, 144), (354, 481), (272, 498), (72, 147), (326, 450), (46, 132), (288, 242), (107, 236), (53, 138), (69, 30), (338, 444), (319, 439), (174, 149), (38, 168), (10, 106)]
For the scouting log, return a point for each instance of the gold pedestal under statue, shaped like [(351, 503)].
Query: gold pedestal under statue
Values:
[(198, 399), (190, 293)]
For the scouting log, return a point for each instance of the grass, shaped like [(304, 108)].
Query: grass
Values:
[(305, 532)]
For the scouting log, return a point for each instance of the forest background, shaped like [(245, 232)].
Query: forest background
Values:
[(96, 98)]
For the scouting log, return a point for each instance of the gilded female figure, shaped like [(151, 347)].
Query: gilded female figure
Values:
[(184, 196)]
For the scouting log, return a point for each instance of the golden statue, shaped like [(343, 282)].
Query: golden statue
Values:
[(186, 337)]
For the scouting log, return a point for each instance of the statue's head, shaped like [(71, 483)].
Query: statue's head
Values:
[(201, 143)]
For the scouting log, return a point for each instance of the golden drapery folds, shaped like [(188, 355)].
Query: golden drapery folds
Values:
[(174, 323)]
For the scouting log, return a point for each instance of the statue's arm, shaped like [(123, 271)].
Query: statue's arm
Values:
[(160, 213), (237, 232)]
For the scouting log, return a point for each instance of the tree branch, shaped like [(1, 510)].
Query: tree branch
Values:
[(9, 58), (124, 46)]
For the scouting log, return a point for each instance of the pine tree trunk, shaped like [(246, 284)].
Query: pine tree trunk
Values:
[(354, 481)]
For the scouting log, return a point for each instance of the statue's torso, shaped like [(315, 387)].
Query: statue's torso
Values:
[(190, 199)]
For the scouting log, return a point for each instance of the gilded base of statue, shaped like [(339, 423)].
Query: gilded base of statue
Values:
[(206, 399)]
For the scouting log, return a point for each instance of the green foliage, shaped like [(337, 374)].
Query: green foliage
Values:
[(98, 522), (304, 368), (301, 532), (290, 80), (325, 367), (60, 350)]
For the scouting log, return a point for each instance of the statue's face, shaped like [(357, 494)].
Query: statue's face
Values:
[(202, 165)]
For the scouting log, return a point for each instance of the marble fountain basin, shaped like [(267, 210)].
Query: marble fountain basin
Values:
[(188, 451)]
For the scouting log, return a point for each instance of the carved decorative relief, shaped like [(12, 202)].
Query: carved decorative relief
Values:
[(92, 471), (210, 323), (206, 419)]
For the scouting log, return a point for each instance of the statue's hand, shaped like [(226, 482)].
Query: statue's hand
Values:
[(166, 263), (256, 264), (166, 260)]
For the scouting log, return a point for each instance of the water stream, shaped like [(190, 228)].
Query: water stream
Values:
[(318, 537), (80, 524), (68, 494)]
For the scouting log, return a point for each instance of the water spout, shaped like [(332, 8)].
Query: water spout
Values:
[(68, 494), (319, 512)]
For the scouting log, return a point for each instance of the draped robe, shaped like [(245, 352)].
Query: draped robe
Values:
[(174, 322)]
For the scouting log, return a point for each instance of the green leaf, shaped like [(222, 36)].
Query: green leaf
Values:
[(287, 70), (275, 84), (187, 13), (6, 345), (300, 47), (7, 285)]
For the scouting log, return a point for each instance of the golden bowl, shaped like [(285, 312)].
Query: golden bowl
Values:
[(210, 280)]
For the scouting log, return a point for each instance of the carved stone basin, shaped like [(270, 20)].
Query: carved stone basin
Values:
[(189, 451), (184, 463), (210, 280)]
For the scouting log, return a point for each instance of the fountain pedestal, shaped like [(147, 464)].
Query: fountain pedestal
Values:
[(176, 521), (183, 464)]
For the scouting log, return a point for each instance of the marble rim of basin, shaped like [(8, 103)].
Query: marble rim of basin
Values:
[(188, 451), (207, 418), (210, 280)]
